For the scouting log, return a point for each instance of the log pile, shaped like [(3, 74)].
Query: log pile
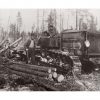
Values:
[(29, 73), (40, 71), (41, 74)]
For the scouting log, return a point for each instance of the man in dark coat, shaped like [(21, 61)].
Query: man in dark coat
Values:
[(30, 48)]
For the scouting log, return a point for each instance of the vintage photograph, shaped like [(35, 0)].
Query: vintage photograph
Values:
[(49, 49)]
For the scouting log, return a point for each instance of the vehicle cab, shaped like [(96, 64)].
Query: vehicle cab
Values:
[(73, 41)]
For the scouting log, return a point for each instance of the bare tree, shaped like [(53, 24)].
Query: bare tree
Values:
[(19, 21)]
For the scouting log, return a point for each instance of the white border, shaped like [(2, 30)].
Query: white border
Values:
[(27, 4), (49, 4), (50, 95)]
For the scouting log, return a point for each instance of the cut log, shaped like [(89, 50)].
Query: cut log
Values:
[(35, 67), (60, 78), (16, 41), (49, 70), (32, 68), (2, 50), (50, 76), (19, 73), (54, 75), (17, 68)]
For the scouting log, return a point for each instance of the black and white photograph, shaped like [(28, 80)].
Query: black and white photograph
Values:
[(49, 49)]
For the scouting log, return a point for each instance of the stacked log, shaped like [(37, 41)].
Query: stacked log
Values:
[(26, 70), (39, 80), (40, 71), (34, 67)]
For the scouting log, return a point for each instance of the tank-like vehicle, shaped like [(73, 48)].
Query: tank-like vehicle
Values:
[(81, 48)]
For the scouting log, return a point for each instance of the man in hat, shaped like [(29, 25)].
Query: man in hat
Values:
[(30, 48)]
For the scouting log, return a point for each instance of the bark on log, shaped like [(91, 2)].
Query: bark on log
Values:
[(11, 71), (35, 67), (17, 68)]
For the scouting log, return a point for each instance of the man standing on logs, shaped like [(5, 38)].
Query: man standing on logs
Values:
[(30, 48)]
